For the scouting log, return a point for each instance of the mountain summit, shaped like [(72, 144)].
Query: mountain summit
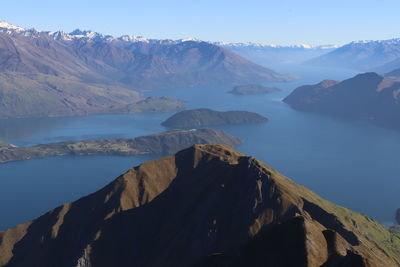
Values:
[(207, 205)]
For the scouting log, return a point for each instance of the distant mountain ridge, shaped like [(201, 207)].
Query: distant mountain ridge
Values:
[(83, 34), (277, 46), (131, 53), (367, 55), (277, 55), (86, 72)]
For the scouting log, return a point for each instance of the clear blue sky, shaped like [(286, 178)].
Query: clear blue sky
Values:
[(280, 21)]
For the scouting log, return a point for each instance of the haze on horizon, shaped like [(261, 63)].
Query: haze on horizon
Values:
[(279, 22)]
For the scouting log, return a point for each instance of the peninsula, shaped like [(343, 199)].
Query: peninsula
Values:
[(160, 143), (253, 89)]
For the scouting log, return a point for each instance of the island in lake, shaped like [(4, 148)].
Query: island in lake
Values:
[(253, 89), (160, 143), (206, 117)]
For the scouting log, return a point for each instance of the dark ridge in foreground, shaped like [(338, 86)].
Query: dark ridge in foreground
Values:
[(160, 143), (206, 117), (367, 96), (207, 205)]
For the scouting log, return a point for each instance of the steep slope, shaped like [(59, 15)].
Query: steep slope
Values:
[(56, 73), (207, 205), (193, 118), (361, 55), (40, 95), (192, 63), (366, 96)]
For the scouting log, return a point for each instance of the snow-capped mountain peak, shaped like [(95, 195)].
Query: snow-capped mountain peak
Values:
[(394, 41), (189, 39), (133, 38), (89, 35), (272, 46), (5, 26)]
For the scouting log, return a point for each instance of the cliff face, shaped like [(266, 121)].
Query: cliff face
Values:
[(208, 206), (206, 117)]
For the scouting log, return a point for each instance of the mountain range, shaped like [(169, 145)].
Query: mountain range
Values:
[(277, 55), (381, 56), (368, 96), (56, 73), (208, 206)]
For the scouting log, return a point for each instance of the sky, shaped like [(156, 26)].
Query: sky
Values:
[(262, 21)]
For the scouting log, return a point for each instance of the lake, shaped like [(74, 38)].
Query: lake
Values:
[(352, 163)]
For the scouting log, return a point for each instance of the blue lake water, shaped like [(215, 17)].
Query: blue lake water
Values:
[(352, 163)]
